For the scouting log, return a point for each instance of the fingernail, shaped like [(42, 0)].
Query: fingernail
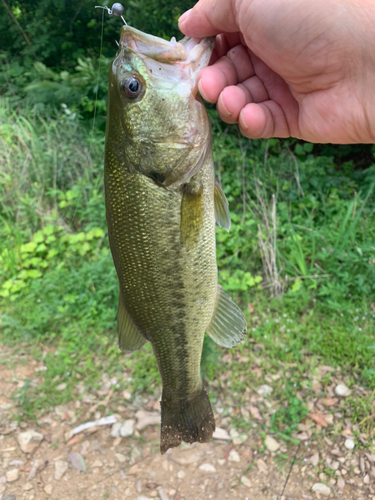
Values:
[(228, 113), (200, 88), (184, 17)]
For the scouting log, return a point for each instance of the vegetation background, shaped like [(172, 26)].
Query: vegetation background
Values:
[(300, 256)]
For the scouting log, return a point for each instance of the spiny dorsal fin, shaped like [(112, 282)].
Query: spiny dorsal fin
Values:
[(191, 215), (228, 324), (222, 214), (128, 336)]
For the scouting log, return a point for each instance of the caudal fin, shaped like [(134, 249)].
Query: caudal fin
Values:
[(190, 421)]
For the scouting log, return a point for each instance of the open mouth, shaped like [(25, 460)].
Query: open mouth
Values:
[(188, 56)]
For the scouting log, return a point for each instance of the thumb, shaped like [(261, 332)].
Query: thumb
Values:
[(209, 17)]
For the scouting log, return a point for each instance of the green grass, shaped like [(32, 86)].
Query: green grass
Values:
[(291, 344)]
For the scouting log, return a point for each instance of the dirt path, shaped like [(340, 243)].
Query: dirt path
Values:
[(115, 467)]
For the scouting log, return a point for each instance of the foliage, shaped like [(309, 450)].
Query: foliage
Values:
[(82, 92), (324, 216), (287, 417), (31, 260), (57, 34)]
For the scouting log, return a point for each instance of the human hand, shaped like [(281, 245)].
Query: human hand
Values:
[(285, 68)]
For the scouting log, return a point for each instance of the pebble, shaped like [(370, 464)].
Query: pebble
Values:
[(264, 390), (85, 447), (97, 463), (349, 444), (60, 468), (314, 459), (221, 461), (12, 475), (271, 444), (17, 463), (127, 395), (233, 456), (362, 465), (120, 457), (146, 418), (127, 428), (335, 465), (262, 466), (138, 485), (181, 474), (116, 442), (61, 387), (48, 489), (322, 489), (341, 483), (142, 497), (33, 469), (342, 391), (246, 481), (115, 431), (208, 467), (163, 494), (237, 438), (29, 440), (221, 434), (191, 459), (27, 486)]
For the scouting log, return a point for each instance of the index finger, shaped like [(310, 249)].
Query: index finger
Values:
[(208, 18)]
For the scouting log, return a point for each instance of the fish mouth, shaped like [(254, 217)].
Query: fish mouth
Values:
[(177, 61)]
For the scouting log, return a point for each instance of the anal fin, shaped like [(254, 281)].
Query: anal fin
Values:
[(128, 336), (222, 214), (228, 324)]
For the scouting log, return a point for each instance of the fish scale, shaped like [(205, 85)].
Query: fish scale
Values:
[(156, 270)]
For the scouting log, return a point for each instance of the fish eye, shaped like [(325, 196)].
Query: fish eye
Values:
[(132, 87)]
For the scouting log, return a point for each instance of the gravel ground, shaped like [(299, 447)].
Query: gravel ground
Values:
[(117, 457)]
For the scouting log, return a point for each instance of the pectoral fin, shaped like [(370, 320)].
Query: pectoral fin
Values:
[(191, 215), (222, 214), (128, 336), (228, 324)]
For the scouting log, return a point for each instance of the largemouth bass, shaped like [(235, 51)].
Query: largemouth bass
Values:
[(162, 203)]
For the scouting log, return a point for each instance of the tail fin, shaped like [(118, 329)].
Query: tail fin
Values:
[(191, 421)]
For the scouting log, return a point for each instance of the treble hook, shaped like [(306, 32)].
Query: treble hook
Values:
[(116, 10)]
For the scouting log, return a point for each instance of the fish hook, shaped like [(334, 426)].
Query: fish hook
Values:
[(116, 10)]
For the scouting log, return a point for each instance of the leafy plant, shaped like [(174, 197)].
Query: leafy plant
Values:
[(286, 418)]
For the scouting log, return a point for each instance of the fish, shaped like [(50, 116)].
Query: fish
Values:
[(162, 204)]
